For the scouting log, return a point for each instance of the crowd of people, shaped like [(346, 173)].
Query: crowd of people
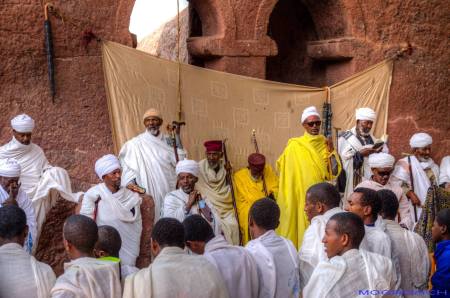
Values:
[(344, 221)]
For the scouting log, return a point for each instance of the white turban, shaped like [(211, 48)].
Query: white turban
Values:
[(381, 160), (22, 123), (106, 164), (309, 111), (420, 140), (9, 168), (366, 114), (187, 166)]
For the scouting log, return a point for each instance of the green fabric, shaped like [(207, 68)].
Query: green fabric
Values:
[(111, 259)]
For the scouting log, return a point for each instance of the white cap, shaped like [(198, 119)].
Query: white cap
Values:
[(187, 166), (420, 140), (22, 123), (366, 114), (106, 164), (309, 111)]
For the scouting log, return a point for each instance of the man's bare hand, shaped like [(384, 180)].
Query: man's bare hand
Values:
[(193, 197), (367, 151), (10, 201), (413, 197), (330, 144)]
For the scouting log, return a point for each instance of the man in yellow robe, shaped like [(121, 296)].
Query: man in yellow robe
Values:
[(252, 183), (306, 160)]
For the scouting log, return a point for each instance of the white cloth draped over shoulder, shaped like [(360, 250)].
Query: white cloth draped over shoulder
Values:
[(349, 145), (174, 273), (88, 277), (444, 174), (403, 209), (346, 275), (421, 181), (114, 209), (236, 265), (312, 250), (151, 161), (21, 276), (412, 255), (376, 240), (42, 182), (25, 204), (174, 206), (214, 189), (278, 266)]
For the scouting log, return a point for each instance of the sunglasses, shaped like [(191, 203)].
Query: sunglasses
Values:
[(314, 123), (385, 173)]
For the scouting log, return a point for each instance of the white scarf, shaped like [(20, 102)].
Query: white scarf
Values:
[(114, 209)]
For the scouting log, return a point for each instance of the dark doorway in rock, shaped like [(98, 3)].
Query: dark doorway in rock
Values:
[(195, 30), (292, 27)]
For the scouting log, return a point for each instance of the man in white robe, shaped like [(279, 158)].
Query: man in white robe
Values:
[(173, 272), (350, 272), (148, 160), (187, 200), (235, 263), (275, 256), (444, 172), (109, 203), (322, 202), (84, 275), (382, 165), (424, 172), (410, 247), (365, 203), (213, 186), (12, 193), (43, 183), (21, 276), (355, 146)]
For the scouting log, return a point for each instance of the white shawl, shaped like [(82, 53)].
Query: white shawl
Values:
[(312, 250), (151, 161), (88, 277), (421, 181), (444, 175), (21, 276), (354, 271), (236, 265), (114, 209), (174, 206), (174, 273), (278, 268)]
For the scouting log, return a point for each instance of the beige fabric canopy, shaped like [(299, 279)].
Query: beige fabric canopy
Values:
[(217, 105)]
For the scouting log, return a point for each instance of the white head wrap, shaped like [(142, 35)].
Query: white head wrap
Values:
[(106, 164), (420, 140), (9, 168), (187, 166), (366, 114), (309, 111), (22, 123), (381, 160)]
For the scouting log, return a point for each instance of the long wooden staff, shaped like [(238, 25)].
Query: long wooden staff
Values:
[(230, 183), (412, 185), (255, 142)]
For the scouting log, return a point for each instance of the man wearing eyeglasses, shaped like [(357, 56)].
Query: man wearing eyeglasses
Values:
[(355, 146), (306, 160), (382, 165)]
